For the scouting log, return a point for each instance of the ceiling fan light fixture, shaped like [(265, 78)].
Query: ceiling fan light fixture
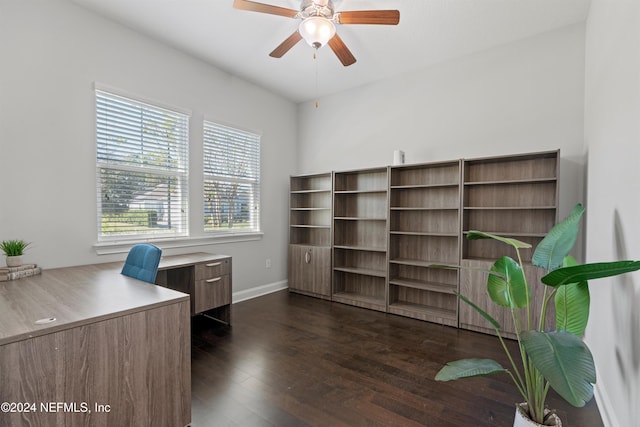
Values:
[(317, 31)]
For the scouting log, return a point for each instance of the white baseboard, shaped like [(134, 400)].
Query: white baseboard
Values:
[(607, 411), (259, 291)]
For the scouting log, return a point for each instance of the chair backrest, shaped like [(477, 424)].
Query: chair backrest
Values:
[(142, 262)]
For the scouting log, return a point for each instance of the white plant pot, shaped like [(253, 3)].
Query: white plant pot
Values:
[(14, 261), (522, 420)]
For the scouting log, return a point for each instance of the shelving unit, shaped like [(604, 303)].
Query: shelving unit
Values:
[(310, 214), (424, 230), (360, 200), (378, 238), (514, 196)]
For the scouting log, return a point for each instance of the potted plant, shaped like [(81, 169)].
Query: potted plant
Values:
[(13, 249), (559, 358)]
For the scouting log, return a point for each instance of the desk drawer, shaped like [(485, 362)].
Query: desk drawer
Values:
[(212, 269), (212, 293)]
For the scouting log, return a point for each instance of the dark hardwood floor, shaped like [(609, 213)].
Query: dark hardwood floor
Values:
[(291, 360)]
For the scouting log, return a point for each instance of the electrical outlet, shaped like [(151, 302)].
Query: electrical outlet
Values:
[(267, 263)]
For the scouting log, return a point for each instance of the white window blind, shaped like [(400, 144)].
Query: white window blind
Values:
[(142, 168), (231, 179)]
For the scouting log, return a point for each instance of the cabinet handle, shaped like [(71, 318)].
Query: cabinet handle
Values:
[(215, 279), (214, 264), (307, 257)]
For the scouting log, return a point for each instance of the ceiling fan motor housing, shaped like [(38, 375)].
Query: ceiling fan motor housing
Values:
[(323, 8)]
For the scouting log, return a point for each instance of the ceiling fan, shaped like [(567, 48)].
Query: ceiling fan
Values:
[(318, 24)]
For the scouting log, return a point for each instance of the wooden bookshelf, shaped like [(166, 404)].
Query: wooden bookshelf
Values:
[(360, 200), (378, 238), (310, 219), (513, 196), (424, 216)]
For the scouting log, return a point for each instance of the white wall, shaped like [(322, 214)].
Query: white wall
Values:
[(525, 96), (51, 53), (521, 97), (612, 134)]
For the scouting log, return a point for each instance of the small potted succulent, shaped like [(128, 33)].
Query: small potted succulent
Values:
[(13, 249)]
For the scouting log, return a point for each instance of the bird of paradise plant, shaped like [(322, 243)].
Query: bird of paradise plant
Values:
[(559, 359)]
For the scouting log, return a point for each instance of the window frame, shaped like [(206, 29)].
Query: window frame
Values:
[(182, 173), (254, 181)]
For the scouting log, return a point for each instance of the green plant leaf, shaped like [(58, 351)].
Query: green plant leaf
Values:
[(13, 247), (572, 304), (466, 368), (584, 272), (483, 313), (559, 241), (476, 235), (510, 290), (565, 361)]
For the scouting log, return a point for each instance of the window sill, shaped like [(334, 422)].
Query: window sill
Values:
[(122, 246)]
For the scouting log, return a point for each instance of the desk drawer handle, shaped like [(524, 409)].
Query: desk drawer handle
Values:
[(214, 264), (213, 280)]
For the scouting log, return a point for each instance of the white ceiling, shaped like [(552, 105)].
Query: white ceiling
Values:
[(430, 31)]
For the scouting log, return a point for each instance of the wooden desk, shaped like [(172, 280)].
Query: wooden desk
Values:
[(115, 342), (206, 277)]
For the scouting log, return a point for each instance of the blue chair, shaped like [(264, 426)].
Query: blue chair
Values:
[(142, 262)]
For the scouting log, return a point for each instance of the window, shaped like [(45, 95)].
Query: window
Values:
[(142, 169), (231, 179)]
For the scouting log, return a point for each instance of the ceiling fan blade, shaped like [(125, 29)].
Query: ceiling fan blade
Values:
[(342, 51), (379, 17), (264, 8), (286, 45)]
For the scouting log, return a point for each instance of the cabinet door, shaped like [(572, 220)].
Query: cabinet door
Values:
[(473, 285), (310, 270), (297, 267), (320, 270)]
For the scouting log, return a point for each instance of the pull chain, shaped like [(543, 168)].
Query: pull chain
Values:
[(315, 60)]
